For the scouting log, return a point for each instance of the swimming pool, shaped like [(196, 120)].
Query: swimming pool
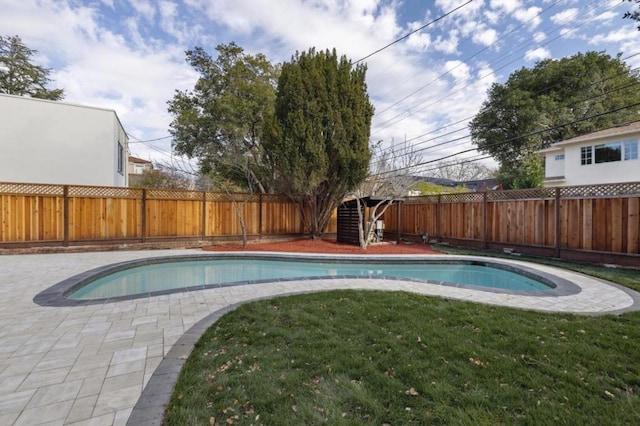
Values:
[(164, 275)]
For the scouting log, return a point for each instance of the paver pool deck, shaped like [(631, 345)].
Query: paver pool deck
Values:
[(89, 365)]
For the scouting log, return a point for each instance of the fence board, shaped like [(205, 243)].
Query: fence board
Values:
[(599, 230), (574, 221), (616, 225), (633, 213), (587, 224)]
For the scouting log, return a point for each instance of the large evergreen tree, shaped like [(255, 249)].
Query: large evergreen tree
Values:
[(318, 139), (555, 100), (220, 122), (19, 76)]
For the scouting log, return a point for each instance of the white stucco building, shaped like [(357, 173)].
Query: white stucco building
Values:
[(607, 156), (54, 142)]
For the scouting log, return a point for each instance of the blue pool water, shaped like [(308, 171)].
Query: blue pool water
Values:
[(175, 275)]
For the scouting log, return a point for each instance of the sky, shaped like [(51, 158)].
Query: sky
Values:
[(129, 55)]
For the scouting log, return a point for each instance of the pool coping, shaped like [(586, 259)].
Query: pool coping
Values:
[(56, 295)]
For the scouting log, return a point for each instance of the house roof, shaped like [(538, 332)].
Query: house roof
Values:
[(133, 159), (30, 99), (620, 130)]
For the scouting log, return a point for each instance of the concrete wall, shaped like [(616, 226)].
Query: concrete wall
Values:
[(52, 142)]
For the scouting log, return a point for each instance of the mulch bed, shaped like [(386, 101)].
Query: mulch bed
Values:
[(327, 246)]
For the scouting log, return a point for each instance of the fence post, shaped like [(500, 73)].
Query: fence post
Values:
[(558, 228), (438, 224), (398, 221), (143, 216), (260, 215), (65, 216), (204, 215), (485, 225)]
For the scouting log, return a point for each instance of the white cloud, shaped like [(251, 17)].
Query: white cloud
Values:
[(529, 16), (607, 16), (486, 37), (144, 8), (419, 41), (616, 36), (539, 36), (492, 17), (537, 54), (459, 70), (465, 11), (447, 45), (508, 6), (565, 16)]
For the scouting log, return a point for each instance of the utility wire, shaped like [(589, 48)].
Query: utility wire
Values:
[(535, 133), (413, 32), (149, 140), (409, 113), (577, 102), (502, 37)]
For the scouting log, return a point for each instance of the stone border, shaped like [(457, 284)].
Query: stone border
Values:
[(56, 295)]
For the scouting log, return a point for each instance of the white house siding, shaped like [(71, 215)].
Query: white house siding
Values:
[(53, 142), (554, 167), (613, 172), (571, 171)]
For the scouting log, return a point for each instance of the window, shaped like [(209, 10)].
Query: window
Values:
[(608, 152), (120, 158), (560, 157), (138, 169), (631, 149), (585, 155)]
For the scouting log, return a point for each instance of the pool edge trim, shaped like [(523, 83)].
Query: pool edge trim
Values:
[(56, 295)]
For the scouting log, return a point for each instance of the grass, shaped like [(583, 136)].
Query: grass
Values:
[(628, 277), (347, 357)]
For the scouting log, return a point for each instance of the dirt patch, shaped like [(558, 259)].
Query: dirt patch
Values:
[(328, 246)]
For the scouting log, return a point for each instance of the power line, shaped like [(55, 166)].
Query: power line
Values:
[(408, 113), (575, 103), (495, 144), (149, 140), (505, 35), (413, 32)]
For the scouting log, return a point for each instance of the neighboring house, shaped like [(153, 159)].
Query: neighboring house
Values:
[(136, 167), (59, 143), (449, 185), (607, 156)]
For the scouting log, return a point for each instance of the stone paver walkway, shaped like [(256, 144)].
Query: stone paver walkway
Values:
[(88, 365)]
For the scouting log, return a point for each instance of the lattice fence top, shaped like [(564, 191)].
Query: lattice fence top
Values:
[(608, 190), (232, 197), (464, 197), (275, 198), (421, 199), (31, 189), (521, 194), (104, 192), (584, 191), (173, 194)]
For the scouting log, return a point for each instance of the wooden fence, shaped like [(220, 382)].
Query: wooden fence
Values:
[(597, 218), (551, 221), (32, 214)]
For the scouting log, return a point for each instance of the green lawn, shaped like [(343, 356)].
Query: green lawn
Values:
[(347, 357)]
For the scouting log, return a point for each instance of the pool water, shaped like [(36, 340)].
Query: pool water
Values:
[(158, 277)]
